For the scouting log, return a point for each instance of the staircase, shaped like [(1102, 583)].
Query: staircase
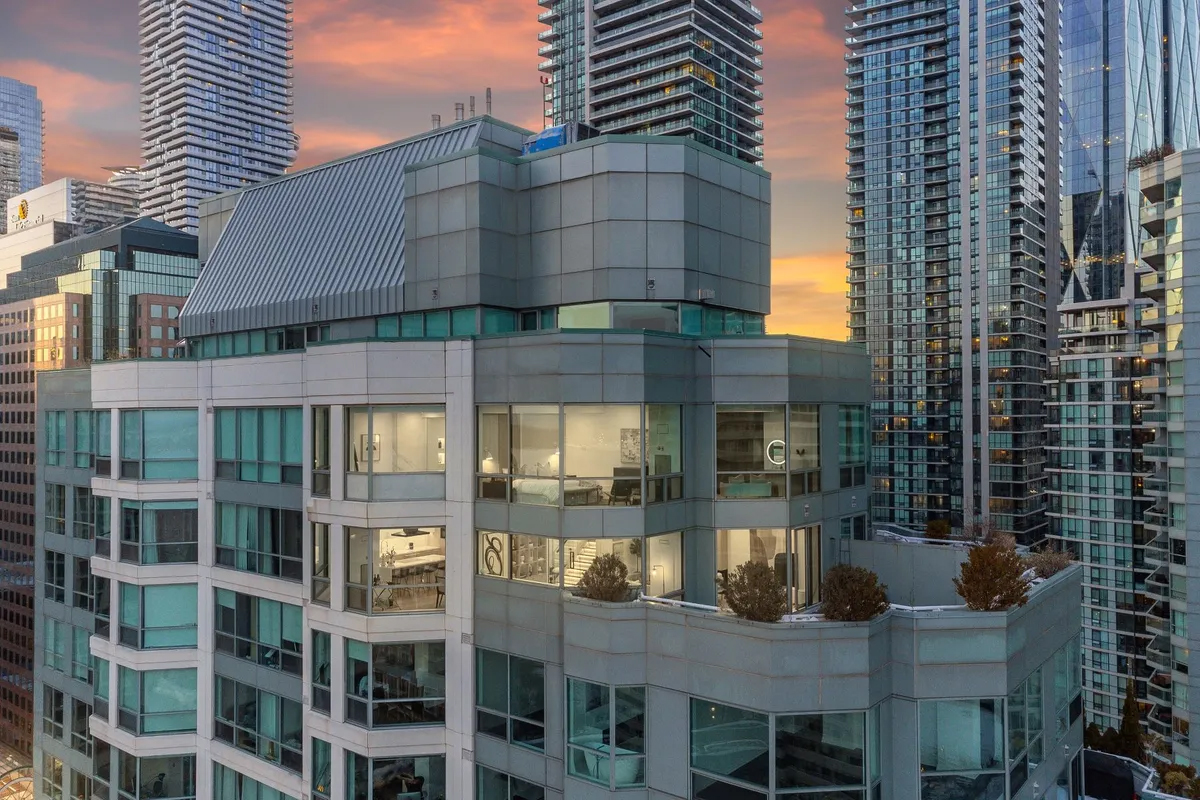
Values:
[(573, 569)]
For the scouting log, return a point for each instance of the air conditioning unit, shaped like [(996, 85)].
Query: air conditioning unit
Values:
[(705, 294)]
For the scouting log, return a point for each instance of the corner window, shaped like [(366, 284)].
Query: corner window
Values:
[(261, 723), (804, 449), (852, 445), (322, 659), (158, 533), (1025, 723), (56, 438), (159, 444), (267, 541), (794, 555), (392, 570), (606, 733), (157, 701), (386, 442), (172, 777), (395, 685), (260, 445), (510, 698), (158, 617), (820, 750), (532, 559), (265, 632), (393, 778), (721, 771)]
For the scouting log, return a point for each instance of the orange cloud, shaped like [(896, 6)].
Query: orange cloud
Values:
[(808, 295)]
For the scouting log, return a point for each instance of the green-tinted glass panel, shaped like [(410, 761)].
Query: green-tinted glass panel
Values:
[(437, 324), (387, 327), (462, 322), (412, 326)]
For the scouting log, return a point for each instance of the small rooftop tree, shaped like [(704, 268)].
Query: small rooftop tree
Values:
[(606, 580), (753, 592), (852, 594), (992, 579)]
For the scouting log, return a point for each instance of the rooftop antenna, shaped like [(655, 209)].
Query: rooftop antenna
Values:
[(489, 101), (437, 121), (472, 106), (458, 112)]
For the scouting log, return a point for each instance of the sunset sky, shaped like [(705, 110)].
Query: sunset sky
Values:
[(372, 71)]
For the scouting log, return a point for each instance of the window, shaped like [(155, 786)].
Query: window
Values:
[(82, 590), (85, 442), (961, 748), (813, 750), (102, 522), (102, 769), (81, 657), (268, 541), (321, 439), (804, 449), (52, 777), (510, 696), (751, 451), (388, 778), (385, 442), (52, 712), (267, 632), (56, 438), (100, 604), (81, 739), (606, 733), (795, 557), (56, 508), (102, 438), (161, 532), (1067, 690), (610, 454), (158, 617), (171, 777), (532, 559), (322, 769), (395, 569), (100, 687), (261, 723), (713, 727), (1025, 723), (56, 577), (85, 509), (159, 444), (81, 785), (229, 784), (320, 564), (260, 445), (852, 445), (493, 785), (322, 659), (394, 685), (156, 701)]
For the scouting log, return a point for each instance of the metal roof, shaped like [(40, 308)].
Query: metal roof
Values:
[(323, 244)]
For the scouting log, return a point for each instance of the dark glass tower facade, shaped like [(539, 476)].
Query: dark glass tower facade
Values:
[(948, 243)]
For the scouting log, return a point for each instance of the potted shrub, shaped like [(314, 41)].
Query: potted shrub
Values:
[(852, 594), (753, 592), (606, 580), (992, 579), (937, 529)]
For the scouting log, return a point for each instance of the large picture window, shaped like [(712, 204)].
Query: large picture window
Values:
[(852, 445), (56, 438), (606, 733), (795, 556), (492, 784), (510, 698), (395, 778), (383, 442), (162, 532), (257, 629), (260, 445), (160, 444), (157, 701), (229, 784), (752, 451), (156, 617), (962, 748), (261, 723), (392, 570), (320, 563), (172, 777), (580, 455), (268, 541), (394, 685)]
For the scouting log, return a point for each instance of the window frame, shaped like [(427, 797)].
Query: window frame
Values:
[(55, 430), (136, 466), (256, 467), (133, 550), (368, 711), (606, 763), (320, 580), (260, 524), (357, 594), (134, 635), (83, 507), (53, 714), (134, 720), (236, 733), (54, 575), (505, 717), (322, 448), (55, 509), (253, 611), (322, 671)]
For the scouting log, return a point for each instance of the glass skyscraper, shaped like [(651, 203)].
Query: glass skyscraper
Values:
[(680, 67), (216, 100), (21, 127), (1128, 88), (950, 276)]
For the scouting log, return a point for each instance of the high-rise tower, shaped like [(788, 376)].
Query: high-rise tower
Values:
[(679, 67), (21, 127), (948, 209), (1100, 485), (216, 100)]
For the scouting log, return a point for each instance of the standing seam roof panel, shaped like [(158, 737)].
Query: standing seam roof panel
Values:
[(323, 244)]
